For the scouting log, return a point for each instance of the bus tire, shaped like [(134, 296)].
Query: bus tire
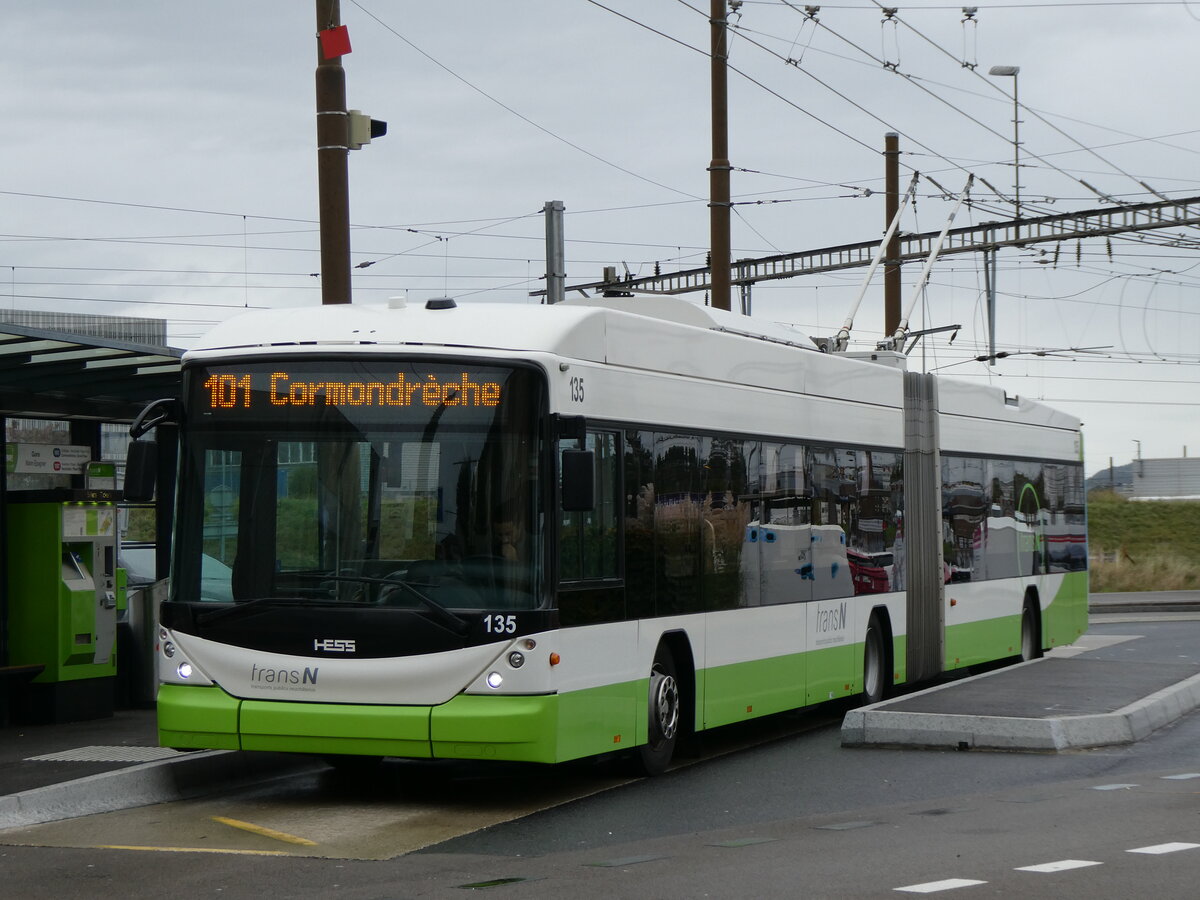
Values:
[(1031, 644), (876, 668), (663, 712)]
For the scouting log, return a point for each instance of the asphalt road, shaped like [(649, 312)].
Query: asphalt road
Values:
[(787, 812)]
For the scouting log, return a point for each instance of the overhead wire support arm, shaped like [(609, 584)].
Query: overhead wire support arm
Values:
[(896, 341), (842, 339), (1088, 223)]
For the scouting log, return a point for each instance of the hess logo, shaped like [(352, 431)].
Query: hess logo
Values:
[(333, 645)]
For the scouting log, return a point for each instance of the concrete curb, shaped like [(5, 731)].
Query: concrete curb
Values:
[(161, 781), (878, 726)]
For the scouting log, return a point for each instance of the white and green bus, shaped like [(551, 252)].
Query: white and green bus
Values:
[(540, 533)]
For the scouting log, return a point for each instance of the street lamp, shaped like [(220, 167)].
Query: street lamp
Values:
[(1013, 71)]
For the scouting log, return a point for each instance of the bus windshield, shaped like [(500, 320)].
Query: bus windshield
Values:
[(389, 483)]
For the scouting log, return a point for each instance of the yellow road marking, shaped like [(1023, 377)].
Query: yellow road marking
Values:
[(265, 832), (193, 850)]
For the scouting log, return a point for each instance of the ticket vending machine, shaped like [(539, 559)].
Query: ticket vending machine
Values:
[(63, 597)]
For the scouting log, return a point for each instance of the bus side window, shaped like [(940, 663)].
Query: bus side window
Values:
[(587, 539)]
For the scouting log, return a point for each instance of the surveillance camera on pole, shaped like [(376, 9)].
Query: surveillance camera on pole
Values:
[(362, 128)]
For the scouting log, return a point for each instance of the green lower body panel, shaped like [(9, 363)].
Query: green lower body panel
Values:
[(833, 673), (900, 659), (545, 728), (521, 729), (601, 719), (984, 641), (335, 728), (197, 718), (742, 691), (1066, 618)]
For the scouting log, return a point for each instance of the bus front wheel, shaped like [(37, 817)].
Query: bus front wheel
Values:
[(654, 756)]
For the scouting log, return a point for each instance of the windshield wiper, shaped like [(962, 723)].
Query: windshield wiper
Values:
[(449, 620)]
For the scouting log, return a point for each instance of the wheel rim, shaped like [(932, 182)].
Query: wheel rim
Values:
[(664, 705)]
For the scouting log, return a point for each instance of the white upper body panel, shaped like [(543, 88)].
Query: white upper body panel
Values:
[(707, 368), (980, 419)]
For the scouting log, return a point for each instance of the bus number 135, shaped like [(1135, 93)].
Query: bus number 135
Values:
[(499, 624)]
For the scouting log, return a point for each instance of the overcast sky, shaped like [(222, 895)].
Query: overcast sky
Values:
[(159, 159)]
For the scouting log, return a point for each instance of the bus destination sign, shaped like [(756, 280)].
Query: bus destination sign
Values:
[(240, 390)]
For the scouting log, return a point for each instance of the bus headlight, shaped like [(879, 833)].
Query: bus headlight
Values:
[(516, 659), (494, 680), (184, 670)]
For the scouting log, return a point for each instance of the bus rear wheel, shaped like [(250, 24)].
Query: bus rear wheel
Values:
[(1030, 645), (875, 664), (654, 756)]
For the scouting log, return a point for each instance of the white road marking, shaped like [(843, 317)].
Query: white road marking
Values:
[(107, 754), (1183, 777), (1061, 865), (1113, 787), (932, 887), (1165, 848), (1091, 642)]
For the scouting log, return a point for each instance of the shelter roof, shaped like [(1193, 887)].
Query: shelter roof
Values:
[(48, 373)]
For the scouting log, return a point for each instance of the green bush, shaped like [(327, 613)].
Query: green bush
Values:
[(1143, 545)]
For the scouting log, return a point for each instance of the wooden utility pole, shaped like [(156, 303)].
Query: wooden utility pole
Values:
[(333, 182), (718, 168), (891, 256)]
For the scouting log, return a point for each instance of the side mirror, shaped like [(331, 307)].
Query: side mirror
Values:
[(578, 480), (155, 414), (141, 471)]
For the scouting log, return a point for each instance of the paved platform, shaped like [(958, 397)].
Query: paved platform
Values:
[(52, 772), (1118, 684)]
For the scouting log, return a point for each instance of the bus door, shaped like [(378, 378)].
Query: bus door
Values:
[(831, 492), (784, 548)]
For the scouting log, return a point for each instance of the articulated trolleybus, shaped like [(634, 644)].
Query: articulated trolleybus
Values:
[(540, 533)]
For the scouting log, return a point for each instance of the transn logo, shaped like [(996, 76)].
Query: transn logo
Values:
[(333, 645)]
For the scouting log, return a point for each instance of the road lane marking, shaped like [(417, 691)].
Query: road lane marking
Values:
[(192, 850), (264, 831), (932, 887), (1183, 777), (1113, 787), (1061, 865), (1165, 848)]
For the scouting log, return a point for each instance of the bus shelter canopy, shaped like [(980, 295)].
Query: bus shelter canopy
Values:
[(46, 373)]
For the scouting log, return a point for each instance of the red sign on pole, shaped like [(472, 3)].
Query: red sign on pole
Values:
[(335, 41)]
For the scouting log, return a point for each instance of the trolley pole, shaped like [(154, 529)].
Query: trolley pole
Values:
[(891, 270), (333, 182), (718, 168)]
